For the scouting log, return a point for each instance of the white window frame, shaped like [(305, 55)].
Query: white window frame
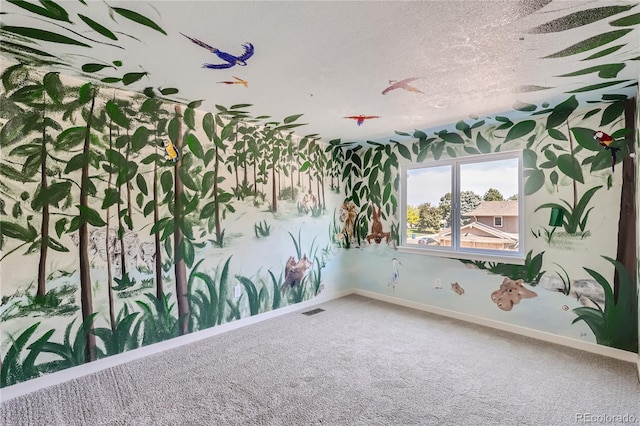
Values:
[(455, 250), (495, 225)]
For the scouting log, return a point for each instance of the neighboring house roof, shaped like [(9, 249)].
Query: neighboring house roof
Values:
[(467, 232), (495, 208)]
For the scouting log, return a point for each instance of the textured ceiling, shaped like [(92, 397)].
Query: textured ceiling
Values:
[(328, 60)]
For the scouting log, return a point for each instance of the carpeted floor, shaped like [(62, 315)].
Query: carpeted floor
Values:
[(360, 362)]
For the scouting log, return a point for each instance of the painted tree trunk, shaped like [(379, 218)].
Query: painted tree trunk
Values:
[(274, 201), (178, 237), (112, 315), (44, 226), (156, 235), (627, 222), (86, 298)]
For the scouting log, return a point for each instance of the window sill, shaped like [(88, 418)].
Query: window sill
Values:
[(515, 259)]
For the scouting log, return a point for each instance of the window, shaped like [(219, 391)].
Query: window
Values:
[(468, 207)]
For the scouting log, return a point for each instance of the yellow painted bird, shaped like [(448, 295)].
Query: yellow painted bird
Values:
[(171, 151), (237, 80), (402, 84)]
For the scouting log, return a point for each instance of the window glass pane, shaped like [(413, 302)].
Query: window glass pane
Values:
[(428, 205), (489, 205)]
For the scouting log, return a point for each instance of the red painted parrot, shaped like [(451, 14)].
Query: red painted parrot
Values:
[(360, 118), (605, 140)]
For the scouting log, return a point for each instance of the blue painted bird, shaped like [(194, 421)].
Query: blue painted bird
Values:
[(230, 59)]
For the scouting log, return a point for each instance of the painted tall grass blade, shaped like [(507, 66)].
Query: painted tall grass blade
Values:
[(276, 283), (71, 353), (252, 294), (13, 371)]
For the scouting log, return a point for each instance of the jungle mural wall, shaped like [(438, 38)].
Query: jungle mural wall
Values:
[(578, 279), (128, 220)]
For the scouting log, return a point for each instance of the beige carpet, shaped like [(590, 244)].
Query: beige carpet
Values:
[(360, 362)]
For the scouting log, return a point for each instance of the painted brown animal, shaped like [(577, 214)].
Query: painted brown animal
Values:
[(294, 271), (348, 213), (377, 233), (457, 289), (510, 293)]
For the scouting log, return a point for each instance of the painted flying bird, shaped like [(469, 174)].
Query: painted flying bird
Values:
[(230, 59), (605, 140), (360, 118), (402, 84), (238, 80)]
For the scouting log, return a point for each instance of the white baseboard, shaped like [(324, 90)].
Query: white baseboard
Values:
[(540, 335), (58, 377)]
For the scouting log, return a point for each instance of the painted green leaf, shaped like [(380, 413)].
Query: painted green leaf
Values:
[(483, 144), (44, 35), (604, 52), (140, 138), (136, 17), (520, 130), (578, 19), (561, 112), (530, 88), (142, 184), (195, 104), (195, 146), (597, 86), (97, 27), (529, 158), (292, 118), (590, 43), (239, 106), (28, 93), (627, 21), (51, 9), (419, 134), (85, 93), (534, 182), (568, 165), (305, 166), (53, 86), (464, 127), (166, 181), (12, 131), (169, 91), (111, 80), (526, 107), (91, 216), (186, 179), (602, 160), (401, 133), (604, 71), (115, 113), (111, 198), (190, 118), (70, 138), (91, 68), (404, 151), (451, 137), (553, 177), (13, 174), (208, 125), (557, 135), (422, 155), (591, 113), (612, 112), (19, 232), (132, 77)]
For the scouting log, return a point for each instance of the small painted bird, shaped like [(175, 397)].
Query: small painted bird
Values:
[(171, 151), (230, 59), (360, 118), (605, 140), (393, 282), (402, 84), (237, 80)]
